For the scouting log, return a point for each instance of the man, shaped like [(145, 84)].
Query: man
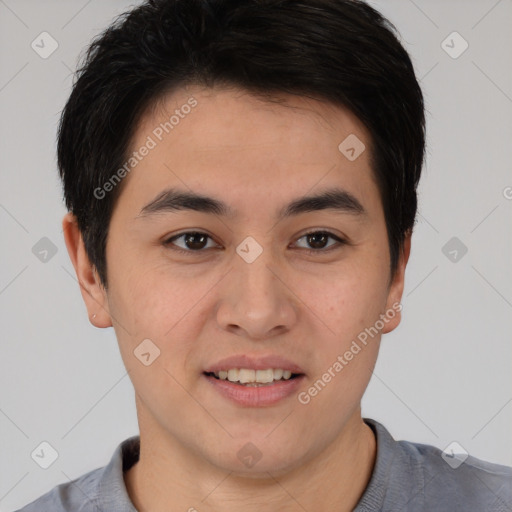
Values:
[(241, 184)]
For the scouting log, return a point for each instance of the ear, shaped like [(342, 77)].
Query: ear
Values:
[(93, 292), (396, 287)]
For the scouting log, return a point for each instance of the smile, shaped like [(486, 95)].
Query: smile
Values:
[(246, 376)]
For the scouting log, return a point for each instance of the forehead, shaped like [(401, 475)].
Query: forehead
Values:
[(227, 118), (231, 142)]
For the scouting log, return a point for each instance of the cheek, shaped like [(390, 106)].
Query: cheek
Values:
[(149, 304), (149, 300), (354, 340), (346, 355), (148, 307), (353, 300), (351, 307)]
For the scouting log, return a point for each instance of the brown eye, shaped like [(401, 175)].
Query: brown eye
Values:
[(317, 241), (193, 241)]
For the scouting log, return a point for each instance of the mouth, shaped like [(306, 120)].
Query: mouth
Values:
[(255, 380), (244, 386), (248, 377)]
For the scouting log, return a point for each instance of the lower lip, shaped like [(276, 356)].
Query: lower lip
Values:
[(256, 396)]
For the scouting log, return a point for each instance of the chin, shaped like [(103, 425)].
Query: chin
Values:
[(249, 461)]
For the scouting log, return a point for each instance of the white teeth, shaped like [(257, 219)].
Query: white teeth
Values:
[(264, 376), (278, 374), (247, 376), (233, 375)]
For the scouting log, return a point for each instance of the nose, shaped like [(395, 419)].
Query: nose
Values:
[(256, 300)]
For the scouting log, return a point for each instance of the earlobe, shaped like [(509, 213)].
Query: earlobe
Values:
[(396, 288), (93, 292)]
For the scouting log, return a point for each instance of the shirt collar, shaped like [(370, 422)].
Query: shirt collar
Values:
[(112, 493)]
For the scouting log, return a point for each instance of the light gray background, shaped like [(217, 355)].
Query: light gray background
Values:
[(443, 375)]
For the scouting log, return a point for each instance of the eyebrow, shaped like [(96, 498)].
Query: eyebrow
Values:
[(173, 199)]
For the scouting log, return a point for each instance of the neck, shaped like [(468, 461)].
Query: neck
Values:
[(169, 473)]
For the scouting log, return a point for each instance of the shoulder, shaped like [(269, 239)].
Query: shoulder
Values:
[(461, 478), (79, 495), (100, 490), (411, 476)]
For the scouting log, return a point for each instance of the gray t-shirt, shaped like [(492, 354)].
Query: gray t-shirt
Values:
[(407, 477)]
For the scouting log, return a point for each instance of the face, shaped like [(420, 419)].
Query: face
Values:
[(250, 278)]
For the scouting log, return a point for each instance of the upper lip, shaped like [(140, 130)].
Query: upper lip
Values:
[(254, 363)]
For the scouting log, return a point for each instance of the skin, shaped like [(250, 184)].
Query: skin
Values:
[(201, 307)]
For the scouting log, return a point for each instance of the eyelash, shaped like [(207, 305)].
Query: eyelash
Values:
[(341, 242)]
